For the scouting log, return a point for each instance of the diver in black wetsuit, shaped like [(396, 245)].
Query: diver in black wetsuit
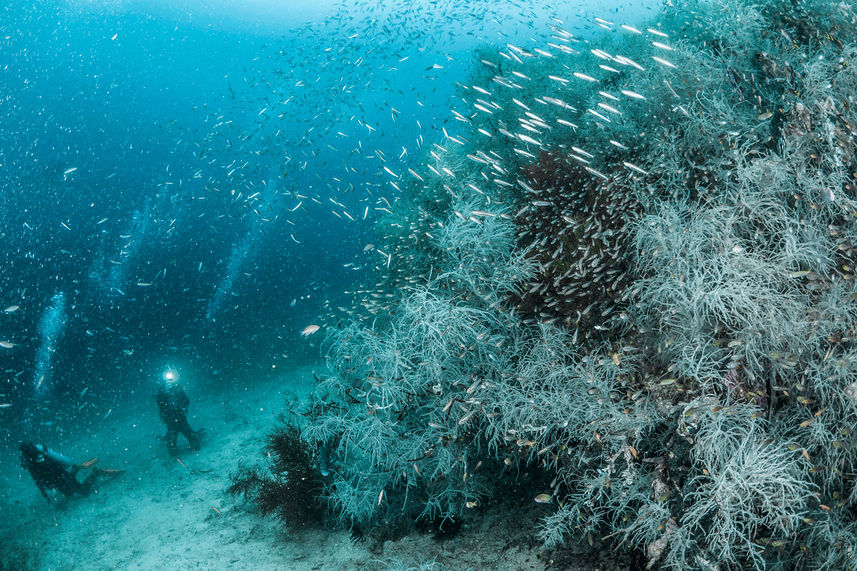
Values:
[(53, 471), (172, 406)]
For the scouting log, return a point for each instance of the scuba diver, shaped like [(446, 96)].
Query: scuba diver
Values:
[(172, 406), (53, 471)]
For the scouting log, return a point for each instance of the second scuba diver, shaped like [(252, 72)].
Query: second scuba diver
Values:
[(172, 406)]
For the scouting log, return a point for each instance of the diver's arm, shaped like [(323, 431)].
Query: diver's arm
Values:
[(160, 398), (184, 402)]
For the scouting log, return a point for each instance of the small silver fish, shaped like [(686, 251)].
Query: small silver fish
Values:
[(583, 76), (309, 330), (663, 62)]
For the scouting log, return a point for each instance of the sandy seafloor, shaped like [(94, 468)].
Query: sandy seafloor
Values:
[(161, 514)]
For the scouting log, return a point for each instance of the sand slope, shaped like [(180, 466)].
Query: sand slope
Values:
[(166, 514)]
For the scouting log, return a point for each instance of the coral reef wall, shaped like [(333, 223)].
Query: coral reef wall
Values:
[(631, 269)]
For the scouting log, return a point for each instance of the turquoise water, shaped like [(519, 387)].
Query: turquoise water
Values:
[(448, 284), (190, 185), (199, 182)]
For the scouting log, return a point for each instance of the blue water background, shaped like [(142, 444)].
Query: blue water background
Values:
[(144, 145)]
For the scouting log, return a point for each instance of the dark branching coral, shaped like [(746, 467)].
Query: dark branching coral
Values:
[(289, 486), (245, 481)]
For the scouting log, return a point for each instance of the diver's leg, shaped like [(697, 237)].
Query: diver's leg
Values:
[(190, 434), (68, 485), (88, 484), (172, 437)]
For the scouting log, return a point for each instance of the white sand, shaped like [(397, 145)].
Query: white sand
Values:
[(161, 514)]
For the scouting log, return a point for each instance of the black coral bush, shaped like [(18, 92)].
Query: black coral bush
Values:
[(288, 485)]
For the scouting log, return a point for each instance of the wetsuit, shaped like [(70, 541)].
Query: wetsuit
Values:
[(52, 470), (172, 405)]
